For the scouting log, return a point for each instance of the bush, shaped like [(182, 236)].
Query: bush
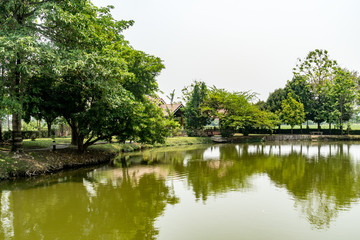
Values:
[(28, 134)]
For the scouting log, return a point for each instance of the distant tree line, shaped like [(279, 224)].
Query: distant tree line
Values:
[(235, 111), (327, 92), (320, 91)]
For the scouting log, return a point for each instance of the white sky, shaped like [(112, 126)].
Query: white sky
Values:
[(239, 45)]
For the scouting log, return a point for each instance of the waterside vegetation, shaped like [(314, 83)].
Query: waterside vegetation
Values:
[(67, 63), (39, 158)]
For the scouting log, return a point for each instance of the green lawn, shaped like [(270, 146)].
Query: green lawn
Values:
[(44, 142), (173, 141), (353, 126)]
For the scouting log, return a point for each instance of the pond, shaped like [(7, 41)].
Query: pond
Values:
[(229, 191)]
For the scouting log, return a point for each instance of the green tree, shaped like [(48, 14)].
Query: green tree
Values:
[(23, 45), (236, 112), (318, 69), (343, 95), (273, 102), (292, 112), (194, 118), (300, 89), (100, 81)]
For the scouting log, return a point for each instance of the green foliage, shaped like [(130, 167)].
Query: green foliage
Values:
[(318, 69), (292, 112), (194, 118), (342, 96), (236, 112), (300, 89), (153, 127), (273, 103), (76, 63)]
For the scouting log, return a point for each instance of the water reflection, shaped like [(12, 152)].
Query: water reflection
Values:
[(7, 218), (124, 203), (322, 179), (111, 204)]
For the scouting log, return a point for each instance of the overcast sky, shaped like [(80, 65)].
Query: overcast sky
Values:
[(239, 45)]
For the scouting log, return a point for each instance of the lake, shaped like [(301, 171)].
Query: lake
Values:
[(230, 191)]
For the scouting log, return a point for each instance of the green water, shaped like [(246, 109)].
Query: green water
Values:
[(255, 191)]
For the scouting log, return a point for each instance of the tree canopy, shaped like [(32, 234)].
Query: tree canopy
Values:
[(292, 112), (236, 113), (194, 118), (70, 59)]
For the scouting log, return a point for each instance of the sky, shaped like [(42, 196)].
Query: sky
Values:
[(236, 44)]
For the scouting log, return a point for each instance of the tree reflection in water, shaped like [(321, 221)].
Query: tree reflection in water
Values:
[(117, 204), (124, 203), (323, 179)]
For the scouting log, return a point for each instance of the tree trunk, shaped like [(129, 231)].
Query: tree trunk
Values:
[(74, 132), (341, 127), (319, 127), (39, 128), (292, 131), (8, 122), (80, 143), (74, 135), (17, 143), (48, 123), (329, 128), (1, 138)]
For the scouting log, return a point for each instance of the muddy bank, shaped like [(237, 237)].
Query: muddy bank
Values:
[(45, 162)]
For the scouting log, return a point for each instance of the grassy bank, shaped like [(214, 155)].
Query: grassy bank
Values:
[(38, 158), (130, 147)]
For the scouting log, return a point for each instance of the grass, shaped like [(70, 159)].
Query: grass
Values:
[(130, 147), (353, 126), (44, 142)]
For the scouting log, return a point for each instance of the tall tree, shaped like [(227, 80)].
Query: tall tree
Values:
[(300, 89), (194, 118), (106, 78), (273, 103), (22, 44), (343, 95), (318, 69), (75, 57)]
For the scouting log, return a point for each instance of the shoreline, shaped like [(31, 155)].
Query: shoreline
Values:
[(284, 138), (36, 162), (33, 163)]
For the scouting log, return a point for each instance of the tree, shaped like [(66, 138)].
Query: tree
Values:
[(22, 45), (236, 112), (94, 78), (317, 69), (343, 95), (273, 103), (300, 89), (292, 112), (194, 118)]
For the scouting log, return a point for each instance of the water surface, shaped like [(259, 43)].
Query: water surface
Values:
[(251, 191)]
